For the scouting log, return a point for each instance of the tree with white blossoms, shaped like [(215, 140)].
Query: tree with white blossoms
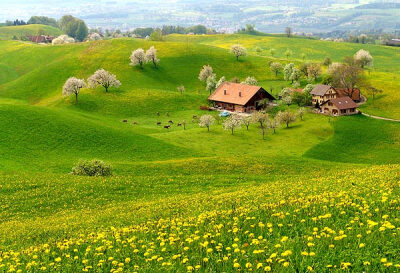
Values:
[(206, 121), (286, 96), (211, 83), (262, 119), (295, 76), (73, 86), (286, 117), (238, 51), (301, 112), (138, 57), (288, 70), (273, 123), (151, 56), (363, 58), (314, 71), (232, 122), (276, 67), (221, 81), (181, 89), (103, 78), (205, 72), (246, 121), (250, 81)]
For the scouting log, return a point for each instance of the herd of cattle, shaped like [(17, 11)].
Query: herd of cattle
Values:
[(170, 122)]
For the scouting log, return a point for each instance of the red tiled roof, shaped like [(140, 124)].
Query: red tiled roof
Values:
[(343, 103), (234, 93)]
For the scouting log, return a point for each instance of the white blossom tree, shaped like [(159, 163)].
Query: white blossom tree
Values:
[(363, 58), (205, 72), (221, 81), (262, 119), (288, 70), (138, 57), (206, 121), (301, 112), (314, 71), (273, 123), (250, 81), (276, 67), (246, 121), (238, 51), (181, 89), (232, 122), (73, 86), (211, 83), (151, 56), (103, 78), (286, 117)]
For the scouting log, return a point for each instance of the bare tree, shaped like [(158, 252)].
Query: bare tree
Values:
[(347, 76), (103, 78), (73, 86), (288, 31)]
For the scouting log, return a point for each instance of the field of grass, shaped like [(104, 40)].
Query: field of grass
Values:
[(321, 195), (7, 33)]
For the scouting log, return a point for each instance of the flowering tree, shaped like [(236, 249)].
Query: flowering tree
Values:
[(232, 122), (363, 58), (181, 88), (250, 81), (206, 121), (314, 71), (151, 56), (262, 119), (274, 123), (211, 83), (275, 68), (73, 86), (301, 112), (138, 57), (286, 117), (221, 81), (238, 51), (103, 78), (246, 121), (205, 72)]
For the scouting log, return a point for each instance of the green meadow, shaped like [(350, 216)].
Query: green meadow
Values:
[(343, 167)]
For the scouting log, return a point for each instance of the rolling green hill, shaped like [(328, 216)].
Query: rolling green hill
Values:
[(8, 32), (188, 183)]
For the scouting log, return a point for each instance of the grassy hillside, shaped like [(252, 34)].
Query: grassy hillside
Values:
[(177, 193), (7, 33)]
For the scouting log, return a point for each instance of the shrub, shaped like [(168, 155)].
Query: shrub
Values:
[(92, 168)]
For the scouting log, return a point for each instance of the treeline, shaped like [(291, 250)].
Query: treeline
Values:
[(166, 30), (70, 25)]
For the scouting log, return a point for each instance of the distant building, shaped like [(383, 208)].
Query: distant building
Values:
[(393, 42), (322, 93), (41, 39), (339, 106), (239, 97)]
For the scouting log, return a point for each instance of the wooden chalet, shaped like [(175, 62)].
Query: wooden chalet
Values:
[(39, 39), (339, 106), (239, 97)]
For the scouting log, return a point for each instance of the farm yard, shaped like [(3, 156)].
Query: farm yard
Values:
[(321, 195)]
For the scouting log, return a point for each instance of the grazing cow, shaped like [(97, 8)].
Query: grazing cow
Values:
[(159, 123), (125, 120), (195, 116), (179, 124), (171, 122), (135, 122), (167, 126)]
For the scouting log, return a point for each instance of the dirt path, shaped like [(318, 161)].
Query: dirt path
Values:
[(382, 118)]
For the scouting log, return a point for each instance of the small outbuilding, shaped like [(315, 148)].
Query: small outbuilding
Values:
[(339, 106), (239, 97)]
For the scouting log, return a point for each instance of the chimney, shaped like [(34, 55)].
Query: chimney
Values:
[(240, 94), (224, 91)]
